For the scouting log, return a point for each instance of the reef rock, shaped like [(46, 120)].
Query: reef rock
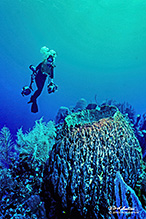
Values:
[(91, 147)]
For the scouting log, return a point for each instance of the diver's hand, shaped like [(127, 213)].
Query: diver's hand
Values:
[(31, 67)]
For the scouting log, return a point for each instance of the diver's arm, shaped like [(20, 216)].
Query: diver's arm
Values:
[(52, 73), (34, 73), (52, 87), (32, 80)]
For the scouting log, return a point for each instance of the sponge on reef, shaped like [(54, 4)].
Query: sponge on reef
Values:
[(91, 147)]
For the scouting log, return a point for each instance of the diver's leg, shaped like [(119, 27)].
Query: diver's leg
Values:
[(40, 81), (35, 95)]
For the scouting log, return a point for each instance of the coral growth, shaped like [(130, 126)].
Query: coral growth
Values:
[(6, 148), (137, 122), (20, 196), (140, 132), (81, 167), (38, 141), (80, 105), (90, 148), (21, 184), (126, 197), (62, 113), (125, 108)]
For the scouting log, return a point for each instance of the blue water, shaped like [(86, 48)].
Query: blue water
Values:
[(101, 46)]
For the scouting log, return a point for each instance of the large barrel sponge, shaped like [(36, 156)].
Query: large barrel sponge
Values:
[(90, 148)]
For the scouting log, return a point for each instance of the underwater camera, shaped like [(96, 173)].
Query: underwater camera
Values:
[(52, 88), (25, 91)]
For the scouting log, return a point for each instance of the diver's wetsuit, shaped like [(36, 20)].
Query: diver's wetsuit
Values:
[(40, 79)]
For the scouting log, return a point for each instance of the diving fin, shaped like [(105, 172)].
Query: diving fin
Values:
[(34, 107)]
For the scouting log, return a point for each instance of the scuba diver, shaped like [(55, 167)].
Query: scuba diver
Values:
[(39, 74)]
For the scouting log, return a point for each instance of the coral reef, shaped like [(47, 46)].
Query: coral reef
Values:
[(21, 184), (91, 106), (7, 147), (20, 196), (89, 116), (138, 122), (38, 141), (80, 105), (143, 190), (87, 163), (125, 108), (89, 150), (62, 113), (140, 132), (126, 197)]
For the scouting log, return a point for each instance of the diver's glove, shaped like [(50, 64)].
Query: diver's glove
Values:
[(52, 88)]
